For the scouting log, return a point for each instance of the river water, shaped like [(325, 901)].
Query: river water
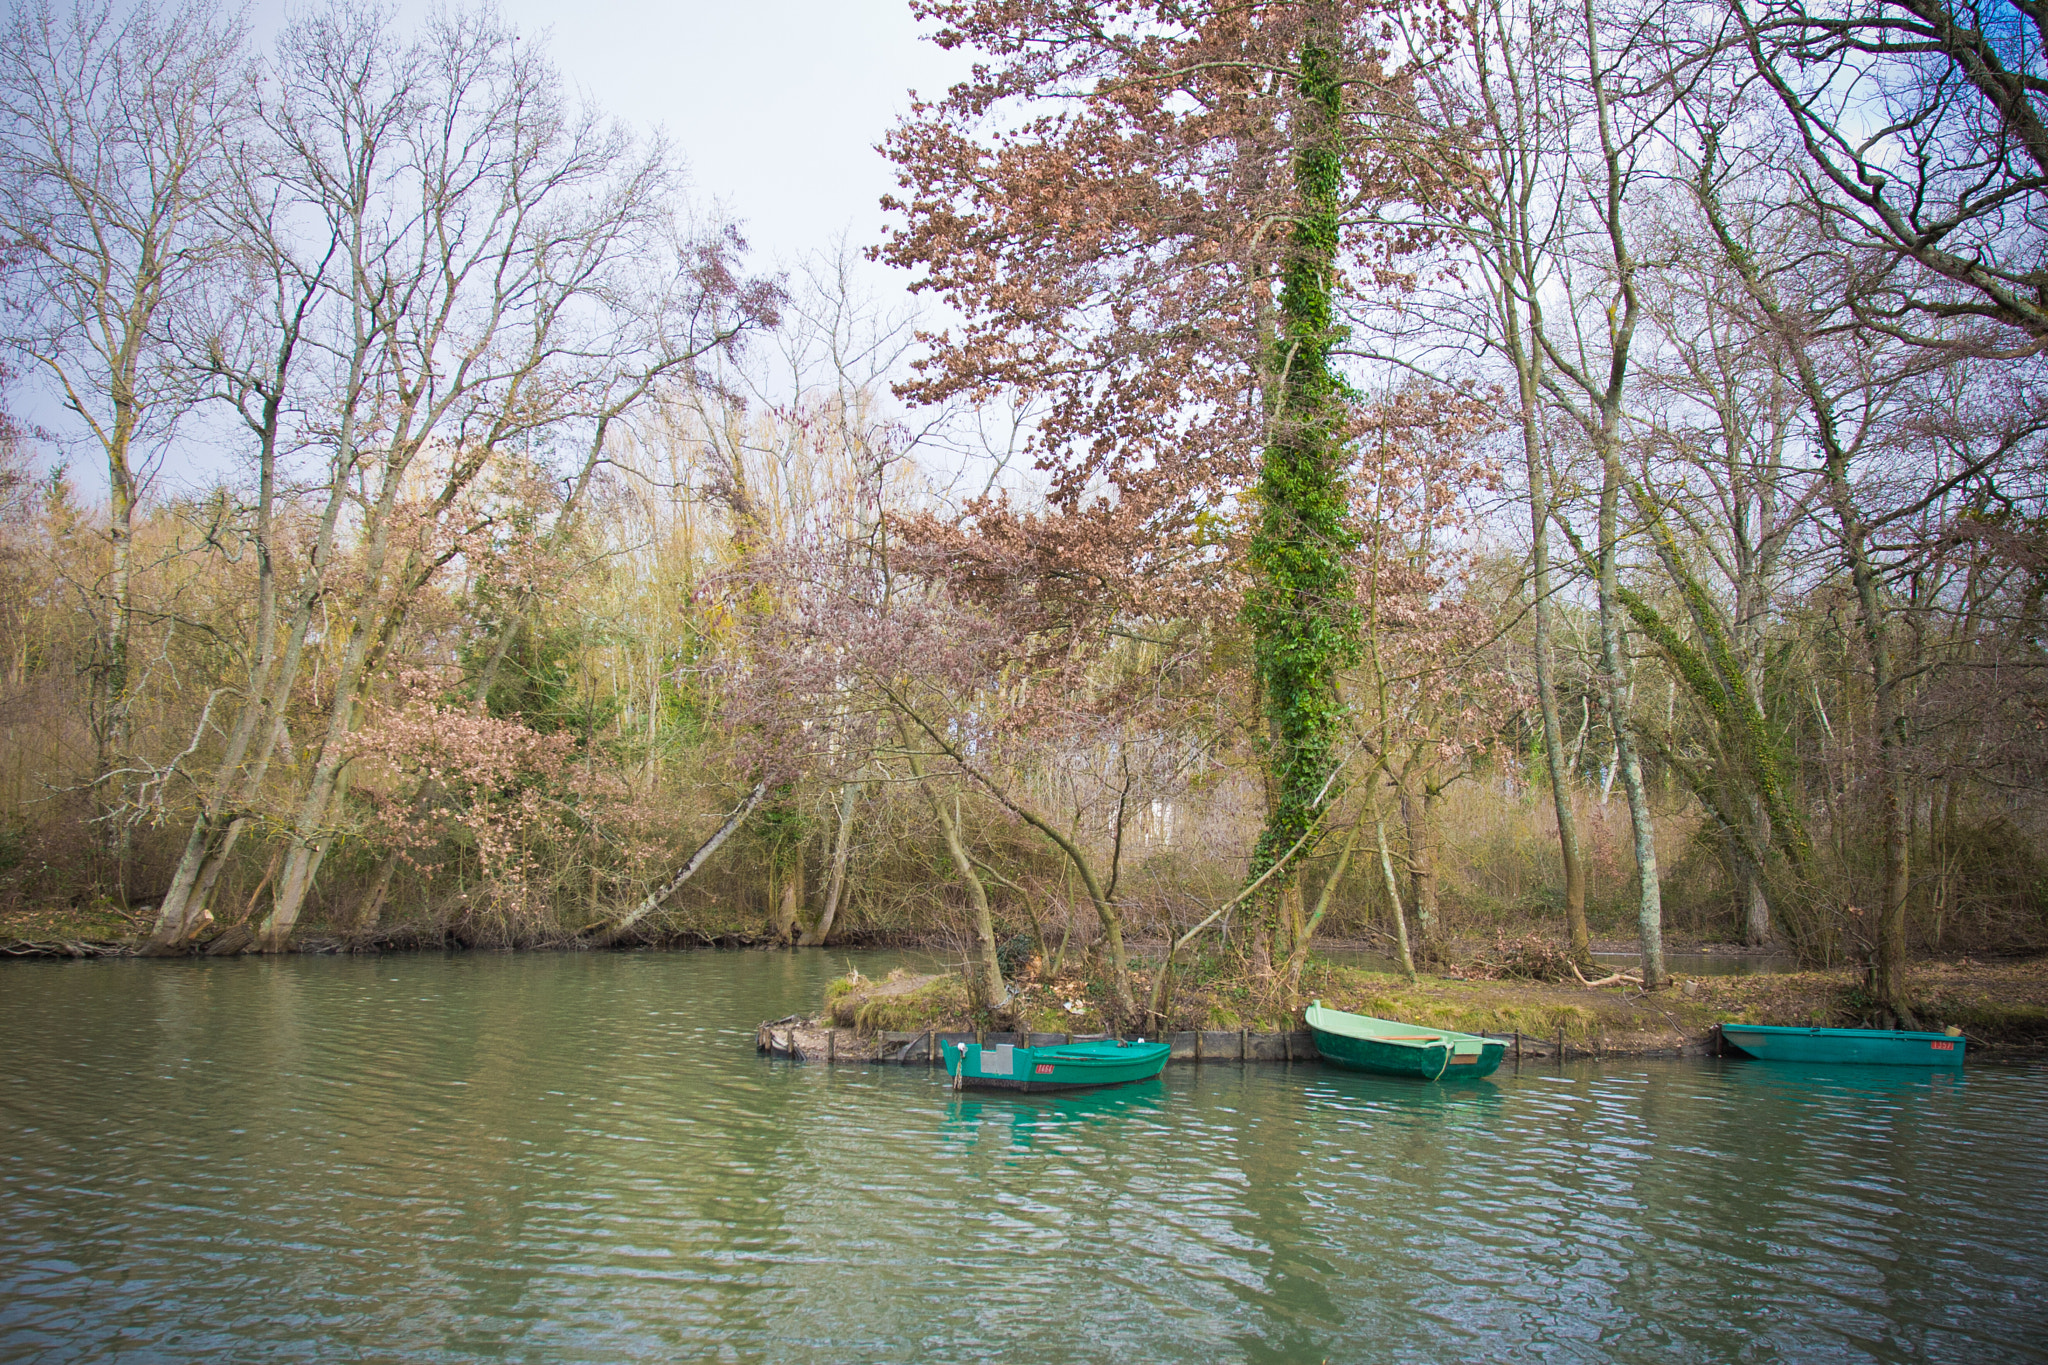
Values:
[(579, 1157)]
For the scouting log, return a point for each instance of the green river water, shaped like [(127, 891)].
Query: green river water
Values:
[(579, 1157)]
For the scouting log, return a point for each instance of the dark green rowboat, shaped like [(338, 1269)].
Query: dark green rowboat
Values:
[(1845, 1046), (1070, 1066), (1390, 1048)]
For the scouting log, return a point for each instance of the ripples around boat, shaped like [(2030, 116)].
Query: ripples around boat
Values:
[(580, 1157)]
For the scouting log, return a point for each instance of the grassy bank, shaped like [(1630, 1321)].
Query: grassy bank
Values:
[(1999, 1005)]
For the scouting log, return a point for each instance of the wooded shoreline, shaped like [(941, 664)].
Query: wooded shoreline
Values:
[(2001, 1004), (1513, 483), (405, 938)]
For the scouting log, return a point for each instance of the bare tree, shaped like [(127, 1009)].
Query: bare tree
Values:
[(483, 212), (454, 261), (1519, 120), (1924, 125), (113, 129), (1588, 354)]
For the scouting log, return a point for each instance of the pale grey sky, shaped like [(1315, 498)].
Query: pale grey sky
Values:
[(776, 105)]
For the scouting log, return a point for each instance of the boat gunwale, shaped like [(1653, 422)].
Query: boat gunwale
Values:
[(1805, 1031), (1068, 1054), (1451, 1038)]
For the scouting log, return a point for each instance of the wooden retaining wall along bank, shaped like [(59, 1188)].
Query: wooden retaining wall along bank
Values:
[(801, 1040)]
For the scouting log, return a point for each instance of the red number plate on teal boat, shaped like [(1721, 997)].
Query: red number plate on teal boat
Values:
[(1043, 1069)]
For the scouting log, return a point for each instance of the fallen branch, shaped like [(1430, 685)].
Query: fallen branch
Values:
[(1156, 1003), (64, 947), (606, 932), (1617, 979)]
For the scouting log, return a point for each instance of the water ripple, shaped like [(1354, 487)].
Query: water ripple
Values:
[(581, 1158)]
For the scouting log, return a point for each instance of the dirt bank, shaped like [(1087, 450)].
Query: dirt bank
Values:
[(2001, 1006)]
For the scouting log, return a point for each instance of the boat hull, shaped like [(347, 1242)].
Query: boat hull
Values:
[(1388, 1048), (1426, 1062), (1071, 1066), (1845, 1046)]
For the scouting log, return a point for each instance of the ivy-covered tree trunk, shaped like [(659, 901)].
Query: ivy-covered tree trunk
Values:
[(1300, 607)]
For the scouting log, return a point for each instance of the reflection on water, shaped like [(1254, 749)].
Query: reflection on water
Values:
[(1054, 1117), (580, 1157)]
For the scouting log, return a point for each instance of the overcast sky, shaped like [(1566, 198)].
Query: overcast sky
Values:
[(776, 107), (776, 104)]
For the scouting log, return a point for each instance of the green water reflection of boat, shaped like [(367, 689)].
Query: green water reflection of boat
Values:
[(1023, 1121), (1391, 1048), (1845, 1046), (1069, 1066)]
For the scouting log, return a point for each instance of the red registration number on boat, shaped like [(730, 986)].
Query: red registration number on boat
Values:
[(1943, 1047), (1042, 1069)]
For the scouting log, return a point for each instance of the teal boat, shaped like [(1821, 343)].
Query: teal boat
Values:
[(1069, 1066), (1845, 1046), (1391, 1048)]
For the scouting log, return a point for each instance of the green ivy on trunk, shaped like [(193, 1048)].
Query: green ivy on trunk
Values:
[(1301, 607)]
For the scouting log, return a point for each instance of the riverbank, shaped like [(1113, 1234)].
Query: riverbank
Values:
[(2001, 1006), (101, 928), (105, 930)]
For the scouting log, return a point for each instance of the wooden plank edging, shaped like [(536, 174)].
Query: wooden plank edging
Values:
[(802, 1042)]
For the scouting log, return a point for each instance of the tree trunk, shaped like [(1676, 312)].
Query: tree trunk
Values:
[(1418, 816), (1298, 958), (372, 626), (606, 933), (1756, 902), (1525, 360), (841, 842), (1756, 920), (986, 972), (1379, 829), (1300, 605), (1614, 685), (117, 704), (1649, 890), (786, 891), (272, 678)]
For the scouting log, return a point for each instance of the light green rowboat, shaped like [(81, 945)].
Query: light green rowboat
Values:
[(1391, 1048)]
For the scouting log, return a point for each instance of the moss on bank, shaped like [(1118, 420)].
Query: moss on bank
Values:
[(899, 1001)]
